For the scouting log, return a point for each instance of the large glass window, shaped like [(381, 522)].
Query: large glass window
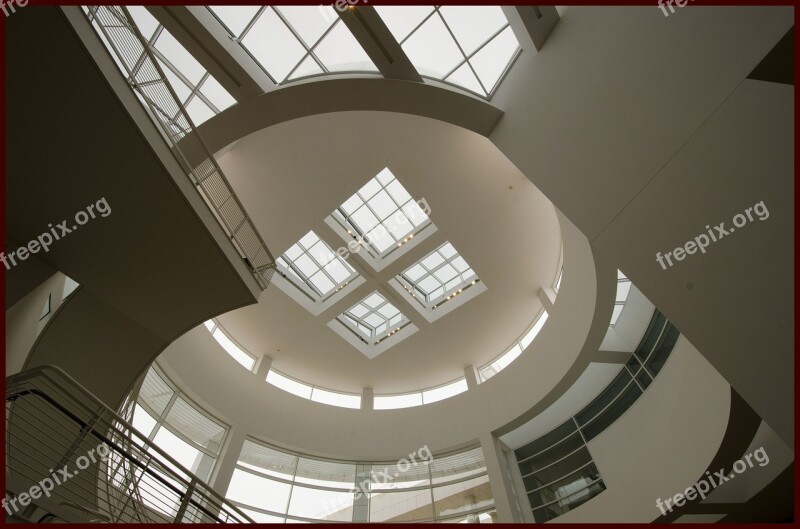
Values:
[(623, 289), (557, 469), (292, 42), (275, 485), (468, 46), (198, 91), (177, 426)]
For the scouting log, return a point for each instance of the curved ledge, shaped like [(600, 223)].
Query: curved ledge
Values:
[(348, 94), (542, 373)]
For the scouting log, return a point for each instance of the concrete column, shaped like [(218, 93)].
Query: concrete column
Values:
[(262, 366), (548, 298), (361, 502), (469, 503), (471, 374), (367, 399), (500, 482), (223, 472), (523, 502)]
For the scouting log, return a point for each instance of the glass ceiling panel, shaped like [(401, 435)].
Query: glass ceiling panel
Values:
[(438, 275), (273, 45), (383, 212), (373, 318), (197, 90), (291, 42), (235, 18), (316, 266), (469, 46), (623, 290)]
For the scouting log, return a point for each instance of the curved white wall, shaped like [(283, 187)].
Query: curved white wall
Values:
[(544, 370), (662, 444)]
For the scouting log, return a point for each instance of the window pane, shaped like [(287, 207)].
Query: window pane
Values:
[(322, 504), (432, 50), (400, 506), (336, 399), (528, 338), (177, 55), (464, 496), (444, 392), (215, 93), (273, 45), (473, 25), (258, 491), (492, 60), (339, 51), (287, 384), (143, 421), (247, 361), (235, 18), (401, 20), (397, 401)]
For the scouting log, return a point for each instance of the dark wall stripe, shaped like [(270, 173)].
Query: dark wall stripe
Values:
[(743, 424), (778, 65)]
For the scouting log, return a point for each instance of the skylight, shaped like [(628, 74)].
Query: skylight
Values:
[(198, 91), (469, 46), (438, 277), (382, 214), (623, 289), (315, 268), (373, 319), (290, 42)]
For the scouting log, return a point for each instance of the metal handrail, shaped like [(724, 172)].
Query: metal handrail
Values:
[(148, 80), (75, 405)]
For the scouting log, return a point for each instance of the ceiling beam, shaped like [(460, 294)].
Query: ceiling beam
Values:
[(210, 44), (531, 24), (371, 32)]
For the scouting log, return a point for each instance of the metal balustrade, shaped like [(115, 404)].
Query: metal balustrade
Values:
[(144, 74), (100, 469)]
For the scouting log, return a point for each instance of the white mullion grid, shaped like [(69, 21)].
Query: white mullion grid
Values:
[(194, 89), (431, 272), (386, 321), (473, 53), (161, 423), (238, 39), (427, 17), (309, 50), (247, 28), (321, 267), (458, 44), (365, 202)]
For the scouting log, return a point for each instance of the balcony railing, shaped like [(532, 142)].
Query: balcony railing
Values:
[(144, 74), (71, 458)]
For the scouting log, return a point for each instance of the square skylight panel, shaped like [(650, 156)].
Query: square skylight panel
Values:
[(373, 319), (383, 213), (438, 277), (315, 268)]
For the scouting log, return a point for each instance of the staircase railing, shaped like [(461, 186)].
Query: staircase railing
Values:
[(146, 78), (70, 457)]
